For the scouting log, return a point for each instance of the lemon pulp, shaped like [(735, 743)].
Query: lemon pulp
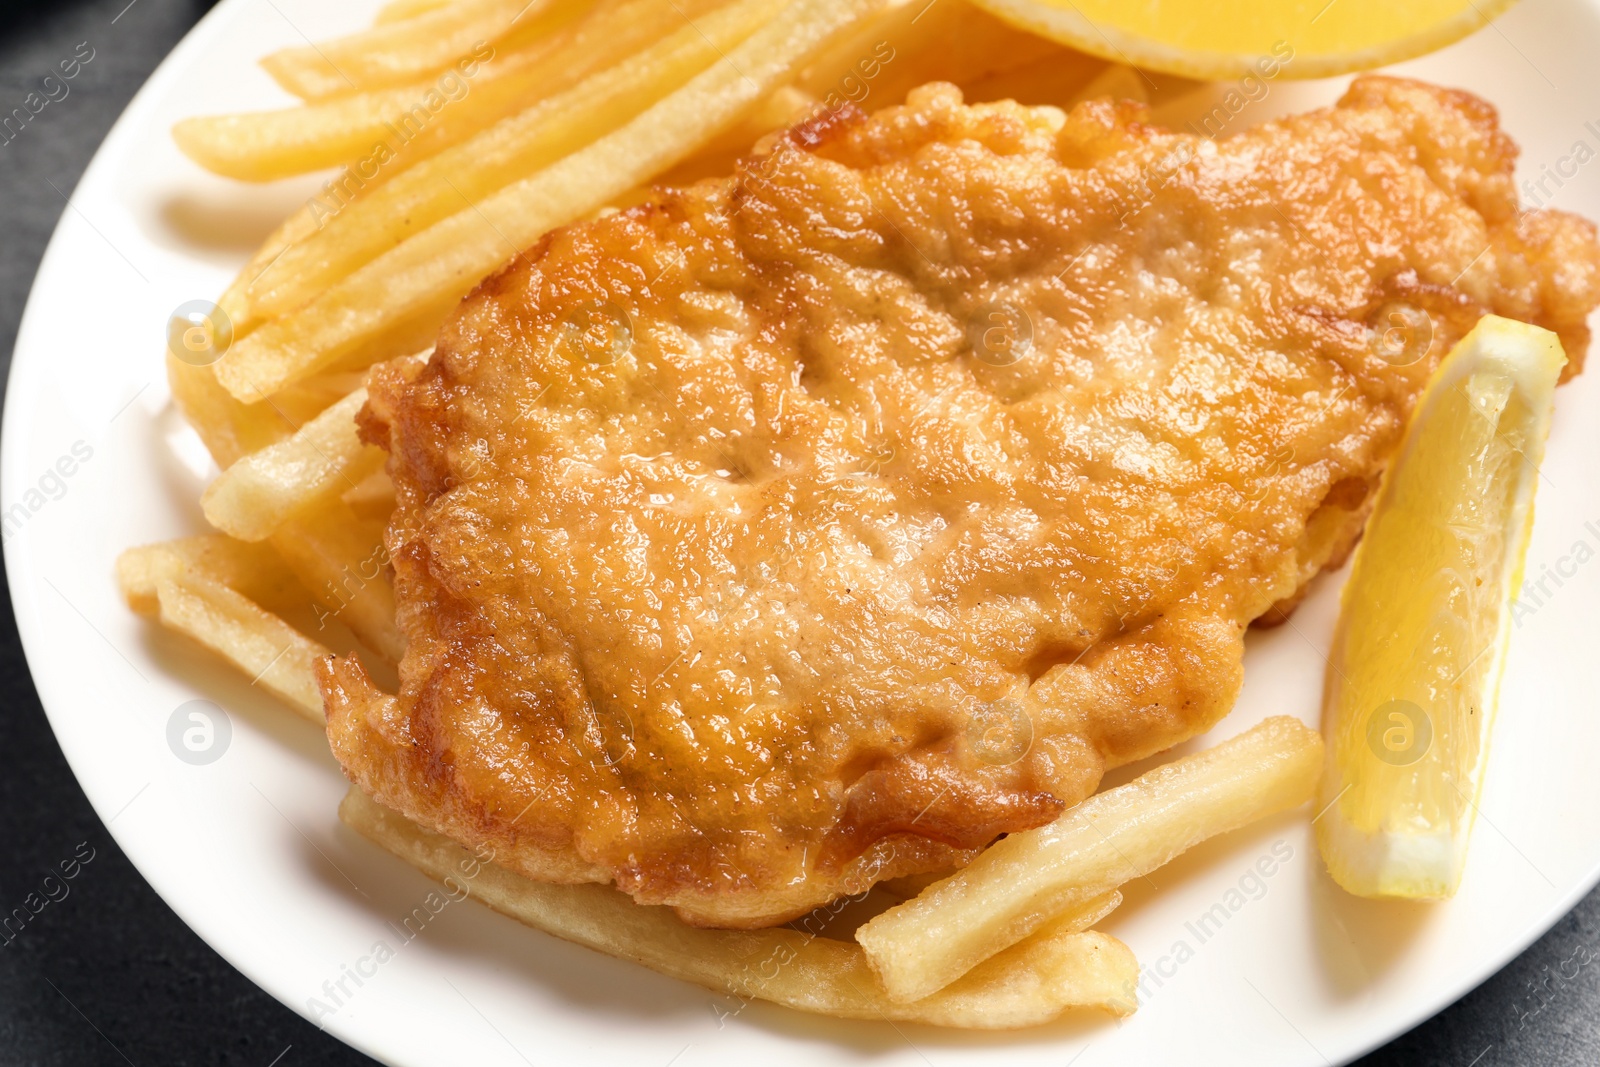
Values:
[(1217, 39), (1414, 673)]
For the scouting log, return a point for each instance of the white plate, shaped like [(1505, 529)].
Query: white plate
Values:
[(248, 849)]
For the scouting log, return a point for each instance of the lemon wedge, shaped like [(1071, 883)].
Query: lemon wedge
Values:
[(1220, 39), (1415, 668)]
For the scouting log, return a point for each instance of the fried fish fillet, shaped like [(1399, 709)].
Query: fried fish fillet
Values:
[(816, 526)]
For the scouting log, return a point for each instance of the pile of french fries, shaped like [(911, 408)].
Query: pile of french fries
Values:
[(464, 130), (1003, 944)]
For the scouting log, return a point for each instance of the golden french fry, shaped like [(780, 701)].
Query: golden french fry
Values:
[(263, 146), (318, 462), (341, 559), (717, 159), (884, 58), (474, 169), (301, 224), (274, 654), (1028, 984), (1119, 81), (909, 885), (372, 497), (400, 10), (231, 430), (1059, 80), (1124, 833), (451, 256), (406, 51), (213, 588), (609, 34), (382, 132), (228, 428), (322, 391), (254, 570)]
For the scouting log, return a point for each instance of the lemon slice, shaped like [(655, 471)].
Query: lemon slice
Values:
[(1218, 39), (1415, 668)]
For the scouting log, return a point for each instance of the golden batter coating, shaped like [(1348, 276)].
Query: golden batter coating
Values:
[(816, 526)]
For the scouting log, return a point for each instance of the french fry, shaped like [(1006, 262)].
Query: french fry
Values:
[(1028, 984), (372, 497), (212, 588), (785, 107), (909, 885), (233, 300), (231, 430), (341, 559), (476, 168), (906, 45), (1058, 80), (274, 654), (228, 428), (1011, 889), (453, 255), (263, 146), (884, 58), (318, 462), (384, 131), (322, 391), (612, 32), (256, 571), (413, 335), (400, 10), (405, 51), (1119, 81)]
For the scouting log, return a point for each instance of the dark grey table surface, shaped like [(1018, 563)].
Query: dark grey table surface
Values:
[(109, 975)]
